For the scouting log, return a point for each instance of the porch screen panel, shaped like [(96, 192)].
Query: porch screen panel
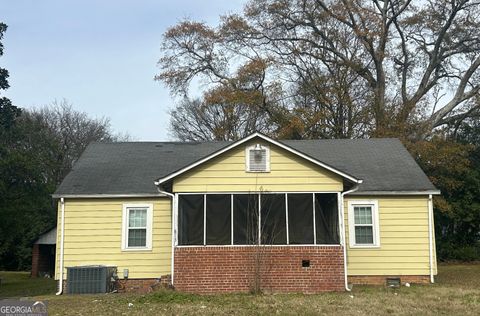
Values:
[(300, 218), (190, 219), (273, 225), (219, 219), (245, 219), (326, 218)]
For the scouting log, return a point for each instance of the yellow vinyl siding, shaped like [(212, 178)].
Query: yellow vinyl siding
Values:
[(93, 235), (288, 172), (404, 243)]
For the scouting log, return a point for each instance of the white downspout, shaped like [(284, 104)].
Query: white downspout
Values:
[(62, 235), (430, 236), (172, 260), (345, 272)]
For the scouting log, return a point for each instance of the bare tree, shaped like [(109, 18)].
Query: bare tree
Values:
[(196, 120), (401, 50), (329, 105), (404, 63), (237, 99), (72, 130), (229, 110), (264, 229)]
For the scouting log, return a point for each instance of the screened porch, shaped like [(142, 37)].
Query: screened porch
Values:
[(239, 219)]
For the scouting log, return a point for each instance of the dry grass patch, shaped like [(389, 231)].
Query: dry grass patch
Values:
[(455, 293)]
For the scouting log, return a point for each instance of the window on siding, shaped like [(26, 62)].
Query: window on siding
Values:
[(326, 218), (258, 158), (300, 218), (218, 225), (137, 230), (363, 219), (274, 227), (363, 224), (190, 219), (137, 227), (245, 219)]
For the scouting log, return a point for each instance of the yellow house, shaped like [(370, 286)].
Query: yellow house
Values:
[(255, 214)]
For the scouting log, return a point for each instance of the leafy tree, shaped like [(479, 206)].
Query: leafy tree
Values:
[(8, 112), (26, 172), (37, 149), (452, 162), (41, 149)]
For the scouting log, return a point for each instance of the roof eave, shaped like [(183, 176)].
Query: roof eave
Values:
[(419, 192), (99, 196)]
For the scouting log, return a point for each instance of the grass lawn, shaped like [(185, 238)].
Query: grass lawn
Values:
[(456, 292), (15, 284)]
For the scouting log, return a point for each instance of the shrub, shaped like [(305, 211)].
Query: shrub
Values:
[(450, 251)]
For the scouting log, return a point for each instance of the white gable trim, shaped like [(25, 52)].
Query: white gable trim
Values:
[(268, 139)]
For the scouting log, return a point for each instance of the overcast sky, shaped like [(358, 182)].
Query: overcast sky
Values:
[(100, 55)]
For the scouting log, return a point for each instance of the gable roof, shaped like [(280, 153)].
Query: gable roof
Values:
[(268, 139), (131, 168)]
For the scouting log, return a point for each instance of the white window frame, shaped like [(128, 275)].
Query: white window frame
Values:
[(247, 158), (375, 223), (125, 220)]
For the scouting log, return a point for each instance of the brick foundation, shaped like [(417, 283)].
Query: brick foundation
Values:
[(142, 285), (136, 285), (272, 268), (381, 279)]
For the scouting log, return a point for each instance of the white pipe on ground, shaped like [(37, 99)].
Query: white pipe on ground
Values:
[(62, 235)]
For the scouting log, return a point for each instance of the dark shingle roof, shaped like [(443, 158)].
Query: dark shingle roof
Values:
[(48, 238), (132, 168)]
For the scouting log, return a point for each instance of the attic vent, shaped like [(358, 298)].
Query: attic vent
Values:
[(258, 158)]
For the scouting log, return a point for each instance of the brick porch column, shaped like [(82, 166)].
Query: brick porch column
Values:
[(35, 260)]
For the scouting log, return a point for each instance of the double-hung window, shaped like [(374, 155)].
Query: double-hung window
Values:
[(363, 224), (137, 227)]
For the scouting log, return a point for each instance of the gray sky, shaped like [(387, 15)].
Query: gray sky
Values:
[(99, 55)]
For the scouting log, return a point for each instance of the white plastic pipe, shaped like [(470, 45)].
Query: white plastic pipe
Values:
[(430, 236), (172, 260), (345, 270), (62, 235)]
